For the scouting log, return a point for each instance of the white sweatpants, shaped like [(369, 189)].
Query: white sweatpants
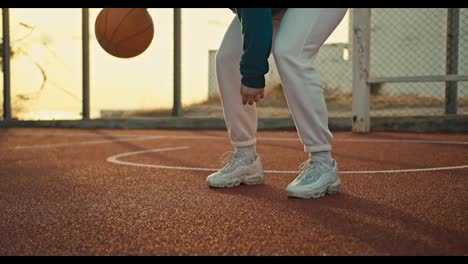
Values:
[(297, 38)]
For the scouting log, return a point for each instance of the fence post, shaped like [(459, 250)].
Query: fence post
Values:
[(85, 80), (6, 65), (361, 70), (451, 66), (177, 107)]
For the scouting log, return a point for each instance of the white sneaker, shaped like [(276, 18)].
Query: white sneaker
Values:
[(237, 170), (315, 180)]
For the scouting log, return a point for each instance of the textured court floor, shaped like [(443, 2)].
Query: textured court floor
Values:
[(143, 192)]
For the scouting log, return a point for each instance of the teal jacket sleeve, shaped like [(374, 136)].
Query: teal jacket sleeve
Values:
[(257, 33)]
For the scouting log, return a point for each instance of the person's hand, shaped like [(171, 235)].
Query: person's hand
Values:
[(251, 95)]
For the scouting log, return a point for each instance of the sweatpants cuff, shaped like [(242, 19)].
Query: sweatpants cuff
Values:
[(309, 149), (244, 143)]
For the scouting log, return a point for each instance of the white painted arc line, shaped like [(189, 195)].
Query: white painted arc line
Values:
[(110, 141), (95, 142), (260, 138), (115, 159), (223, 138)]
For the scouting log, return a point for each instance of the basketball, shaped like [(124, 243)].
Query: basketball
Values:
[(124, 32)]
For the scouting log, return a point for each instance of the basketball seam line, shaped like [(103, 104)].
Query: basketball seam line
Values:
[(105, 24), (130, 37), (118, 26), (101, 36)]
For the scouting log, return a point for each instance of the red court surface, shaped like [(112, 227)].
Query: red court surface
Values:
[(143, 192)]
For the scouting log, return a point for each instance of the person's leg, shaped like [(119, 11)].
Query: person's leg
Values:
[(301, 33), (241, 120), (244, 166)]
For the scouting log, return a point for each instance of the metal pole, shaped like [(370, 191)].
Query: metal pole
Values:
[(85, 32), (361, 69), (451, 87), (177, 107), (6, 65)]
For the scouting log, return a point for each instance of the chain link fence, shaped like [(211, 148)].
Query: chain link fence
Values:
[(418, 67), (411, 50), (410, 57), (334, 64), (463, 61)]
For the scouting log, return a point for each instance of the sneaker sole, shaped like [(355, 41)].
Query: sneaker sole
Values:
[(247, 180), (330, 189)]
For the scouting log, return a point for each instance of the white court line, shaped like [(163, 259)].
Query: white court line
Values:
[(70, 135), (138, 138), (115, 160), (418, 141), (259, 138), (95, 142), (135, 138), (109, 135)]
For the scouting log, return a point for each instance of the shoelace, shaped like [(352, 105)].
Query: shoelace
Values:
[(305, 167), (229, 159)]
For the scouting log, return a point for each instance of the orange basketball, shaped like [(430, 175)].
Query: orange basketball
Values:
[(124, 32)]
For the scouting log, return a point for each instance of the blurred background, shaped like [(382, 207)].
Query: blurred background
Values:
[(408, 56)]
